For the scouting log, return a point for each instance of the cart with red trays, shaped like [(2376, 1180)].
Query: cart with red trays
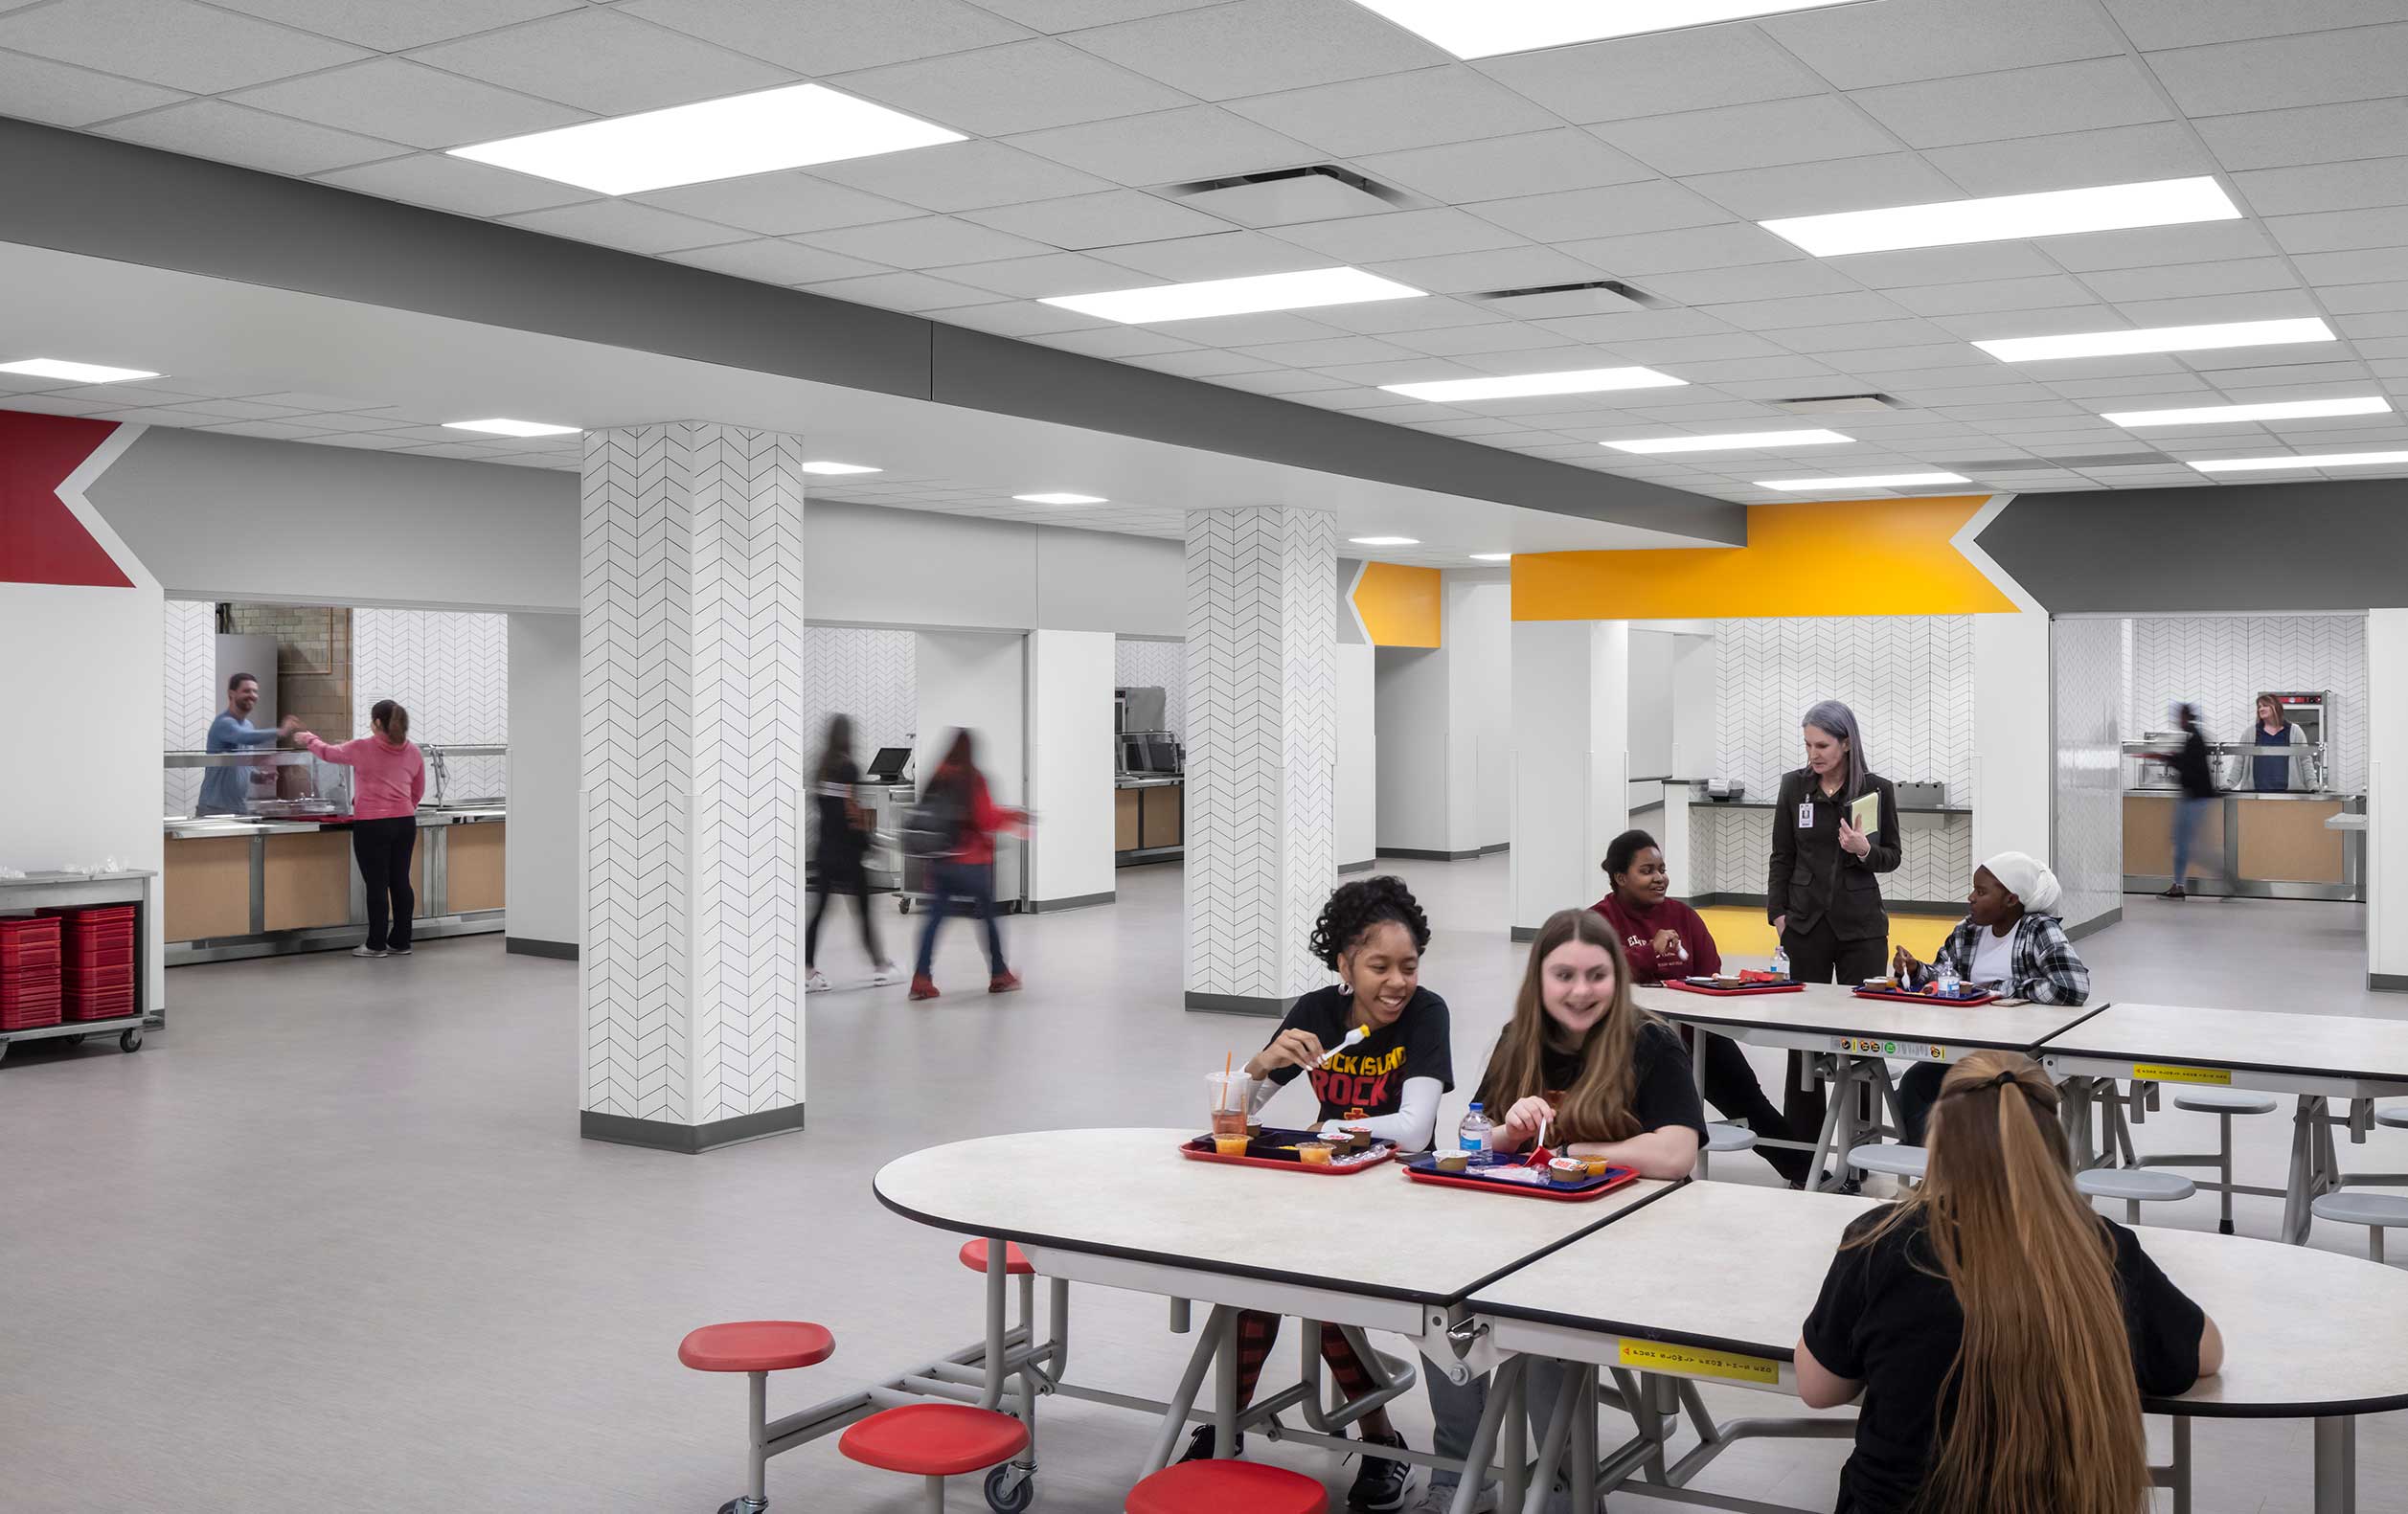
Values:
[(70, 970)]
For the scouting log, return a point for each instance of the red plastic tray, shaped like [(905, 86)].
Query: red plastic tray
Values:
[(1910, 996), (29, 1019), (1741, 992), (1422, 1169), (86, 956), (1200, 1149), (117, 1005)]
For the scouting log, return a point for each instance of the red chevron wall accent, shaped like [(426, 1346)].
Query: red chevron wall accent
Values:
[(40, 539)]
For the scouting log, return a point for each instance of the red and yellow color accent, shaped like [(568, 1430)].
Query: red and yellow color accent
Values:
[(1398, 605), (1884, 556), (41, 539)]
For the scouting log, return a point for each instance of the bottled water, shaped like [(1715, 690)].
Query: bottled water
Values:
[(1948, 985), (1781, 962), (1471, 1136)]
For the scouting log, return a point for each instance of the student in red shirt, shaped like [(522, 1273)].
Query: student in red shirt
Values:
[(1662, 938), (967, 871)]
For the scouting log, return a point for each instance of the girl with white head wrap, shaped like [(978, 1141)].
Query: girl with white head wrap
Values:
[(2029, 879)]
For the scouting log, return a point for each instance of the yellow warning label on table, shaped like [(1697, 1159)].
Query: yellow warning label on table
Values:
[(2220, 1076), (1659, 1356)]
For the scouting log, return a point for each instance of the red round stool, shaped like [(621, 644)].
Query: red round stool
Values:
[(757, 1348), (935, 1442), (1016, 1261), (1211, 1487)]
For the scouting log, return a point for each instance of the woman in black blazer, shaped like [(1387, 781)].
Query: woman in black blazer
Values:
[(1822, 894)]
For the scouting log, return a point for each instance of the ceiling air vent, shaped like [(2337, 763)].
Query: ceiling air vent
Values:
[(1598, 296), (1290, 195), (1840, 404)]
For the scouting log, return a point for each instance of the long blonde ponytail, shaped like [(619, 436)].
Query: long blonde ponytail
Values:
[(2047, 1416)]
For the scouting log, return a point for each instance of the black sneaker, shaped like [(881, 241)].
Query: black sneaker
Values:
[(1200, 1444), (1381, 1487)]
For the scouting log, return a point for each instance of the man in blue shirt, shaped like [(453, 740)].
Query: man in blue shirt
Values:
[(222, 787)]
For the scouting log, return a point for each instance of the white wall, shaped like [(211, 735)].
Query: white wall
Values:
[(1479, 638), (978, 680), (1909, 678), (869, 566), (2014, 765), (1696, 697), (540, 868), (2386, 798), (1070, 786), (2222, 663), (1651, 703), (1356, 795), (1571, 723), (2086, 685), (1410, 713)]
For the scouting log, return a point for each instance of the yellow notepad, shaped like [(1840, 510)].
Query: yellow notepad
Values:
[(1865, 813)]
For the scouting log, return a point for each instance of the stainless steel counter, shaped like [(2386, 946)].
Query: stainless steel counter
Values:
[(2254, 845)]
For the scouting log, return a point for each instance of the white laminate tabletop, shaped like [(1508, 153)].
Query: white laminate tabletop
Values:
[(1129, 1193), (1738, 1267), (1831, 1009), (2266, 1040)]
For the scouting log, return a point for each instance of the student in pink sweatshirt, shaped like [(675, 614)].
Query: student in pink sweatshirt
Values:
[(389, 780)]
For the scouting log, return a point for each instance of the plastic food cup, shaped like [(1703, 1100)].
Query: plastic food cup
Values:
[(1230, 1145), (1228, 1092), (1313, 1153)]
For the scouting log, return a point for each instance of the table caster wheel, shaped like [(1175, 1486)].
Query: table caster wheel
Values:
[(130, 1041), (747, 1504), (75, 1040), (902, 906), (1010, 1489)]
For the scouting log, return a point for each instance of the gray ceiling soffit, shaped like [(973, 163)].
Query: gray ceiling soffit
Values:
[(103, 198), (2234, 546)]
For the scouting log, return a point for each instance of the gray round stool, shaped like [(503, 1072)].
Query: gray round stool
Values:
[(1720, 1140), (2135, 1187), (2223, 1103), (2376, 1211), (2395, 1116), (1898, 1162)]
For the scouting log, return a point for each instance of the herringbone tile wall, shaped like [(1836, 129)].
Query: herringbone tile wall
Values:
[(2086, 682), (1736, 847), (1158, 664), (870, 675), (451, 671), (1908, 677), (691, 682), (2222, 663), (189, 697), (1262, 747)]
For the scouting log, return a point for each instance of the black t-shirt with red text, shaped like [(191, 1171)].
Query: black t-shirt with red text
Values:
[(1367, 1079)]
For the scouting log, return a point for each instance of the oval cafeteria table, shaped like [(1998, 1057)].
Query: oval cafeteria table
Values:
[(2308, 1334)]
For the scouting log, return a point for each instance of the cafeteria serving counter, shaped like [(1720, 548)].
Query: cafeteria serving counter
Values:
[(2256, 846)]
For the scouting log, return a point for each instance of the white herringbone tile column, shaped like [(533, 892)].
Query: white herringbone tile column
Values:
[(691, 699), (1262, 747)]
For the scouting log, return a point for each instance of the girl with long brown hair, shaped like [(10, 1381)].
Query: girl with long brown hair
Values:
[(2002, 1333)]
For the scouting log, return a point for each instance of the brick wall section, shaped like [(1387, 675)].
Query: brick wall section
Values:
[(313, 661)]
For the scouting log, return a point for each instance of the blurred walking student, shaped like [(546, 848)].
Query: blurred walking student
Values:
[(2197, 777), (389, 779), (956, 806), (839, 856)]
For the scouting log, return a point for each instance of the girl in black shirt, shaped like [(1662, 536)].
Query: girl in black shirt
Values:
[(2003, 1335), (841, 848)]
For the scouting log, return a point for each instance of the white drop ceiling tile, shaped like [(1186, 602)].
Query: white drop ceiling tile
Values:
[(2381, 347), (1922, 265), (1725, 246), (1040, 276), (904, 291), (1101, 220), (1633, 326), (1253, 330), (455, 184), (1507, 268), (2389, 322), (2255, 367), (927, 242), (1866, 360), (2154, 392), (171, 42), (2363, 266), (773, 260), (387, 27), (1681, 353), (1499, 168), (2241, 276), (1169, 147), (1120, 341), (1647, 76), (1805, 188), (2342, 231), (1203, 363), (1785, 366), (2163, 149), (1386, 317), (2365, 62), (1621, 210), (1282, 381), (1765, 280), (601, 60), (277, 430), (2262, 304), (1371, 403), (2210, 241), (1223, 255), (620, 223), (1410, 369), (1814, 309), (1400, 234), (1394, 111), (2158, 367), (242, 410), (2308, 134), (2048, 321), (963, 175), (2362, 185), (1329, 353), (1992, 294), (387, 442), (1258, 46), (39, 89), (2016, 102), (1715, 410), (212, 128), (1019, 86), (1955, 398), (779, 204), (1466, 426), (299, 399), (1766, 134), (405, 101), (1859, 46), (820, 37)]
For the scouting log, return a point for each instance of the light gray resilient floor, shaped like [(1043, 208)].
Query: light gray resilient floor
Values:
[(329, 1241)]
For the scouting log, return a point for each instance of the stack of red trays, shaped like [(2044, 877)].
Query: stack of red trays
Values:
[(29, 972), (96, 962)]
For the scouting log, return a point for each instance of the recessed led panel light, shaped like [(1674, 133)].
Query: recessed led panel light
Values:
[(1266, 291), (838, 467), (73, 373), (1519, 26), (1516, 386), (715, 139), (513, 428), (2005, 218), (1385, 541), (1729, 440), (2279, 410), (1060, 499), (1492, 556), (2312, 460), (2158, 339), (1868, 481)]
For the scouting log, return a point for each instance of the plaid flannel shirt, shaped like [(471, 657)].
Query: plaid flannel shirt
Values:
[(2042, 963)]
